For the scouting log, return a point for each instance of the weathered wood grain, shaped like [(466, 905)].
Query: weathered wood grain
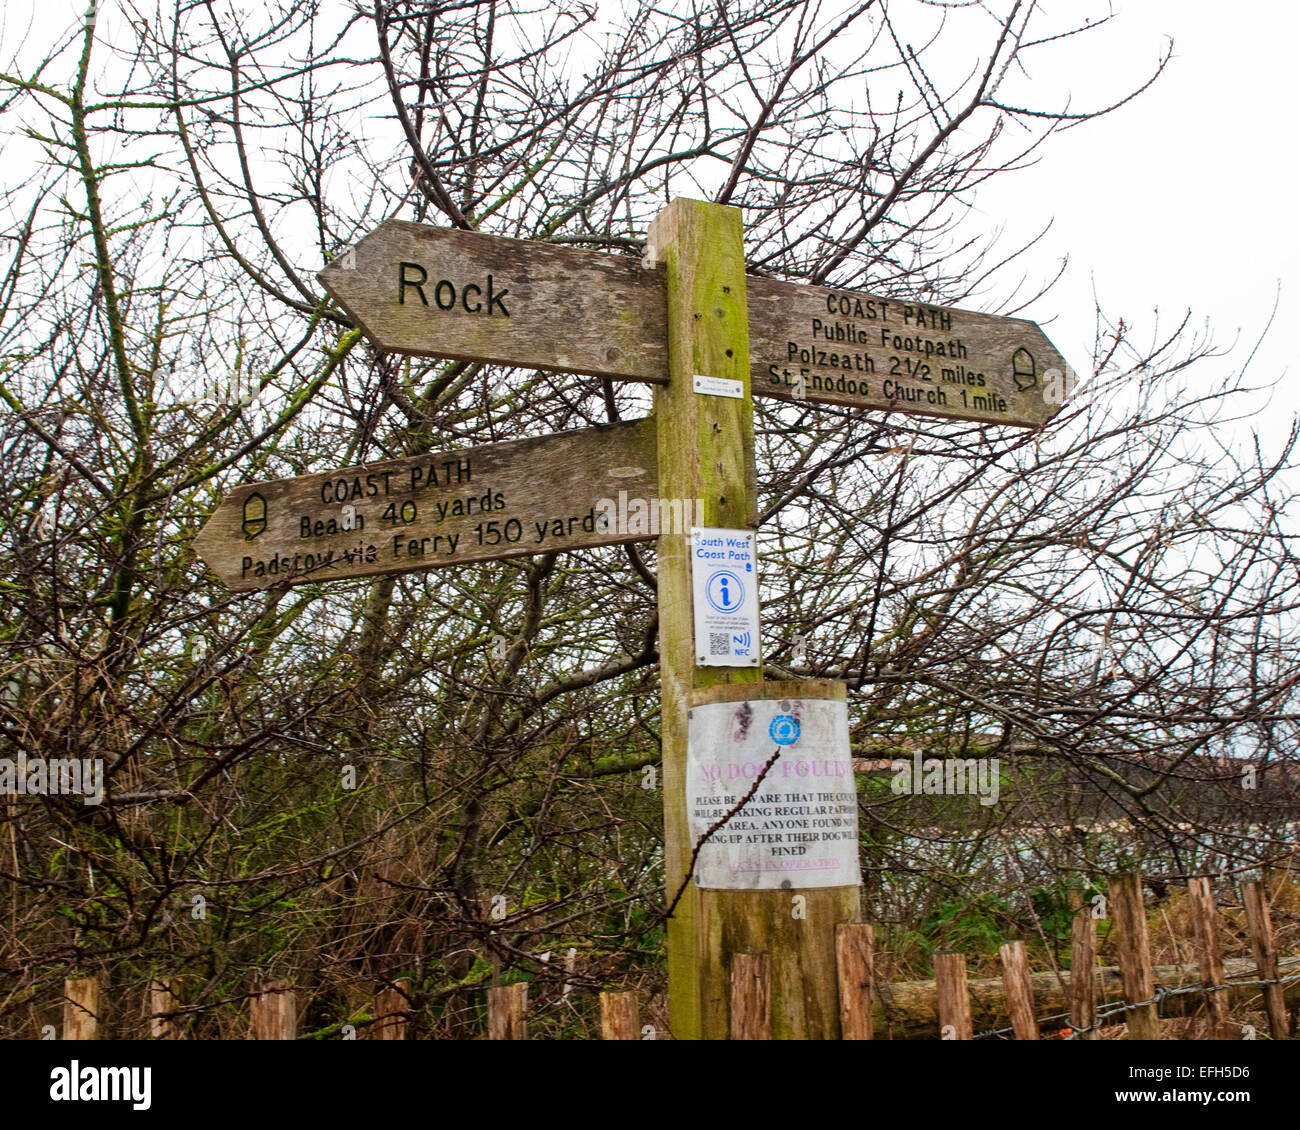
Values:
[(1134, 955), (273, 1013), (855, 962), (475, 297), (442, 292), (81, 1008), (477, 504), (508, 1012), (1209, 953), (619, 1016), (952, 996), (1259, 923), (164, 1000), (831, 346), (392, 1011), (751, 996), (1020, 993), (1083, 987)]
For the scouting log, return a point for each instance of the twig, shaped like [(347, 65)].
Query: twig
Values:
[(690, 870)]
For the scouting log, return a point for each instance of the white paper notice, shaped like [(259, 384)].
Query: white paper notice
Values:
[(724, 577), (800, 829)]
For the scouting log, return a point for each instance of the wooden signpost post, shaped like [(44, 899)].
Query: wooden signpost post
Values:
[(689, 321)]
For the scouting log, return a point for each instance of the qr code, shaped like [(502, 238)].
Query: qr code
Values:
[(719, 643)]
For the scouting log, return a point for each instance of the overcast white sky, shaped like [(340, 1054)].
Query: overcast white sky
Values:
[(1184, 199)]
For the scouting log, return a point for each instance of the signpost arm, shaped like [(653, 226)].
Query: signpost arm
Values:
[(706, 452)]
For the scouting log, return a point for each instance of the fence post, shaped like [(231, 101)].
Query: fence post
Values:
[(508, 1012), (1134, 955), (274, 1012), (164, 1000), (620, 1017), (855, 964), (1020, 993), (1209, 954), (392, 1004), (1260, 925), (953, 996), (81, 1008), (751, 996), (1083, 984)]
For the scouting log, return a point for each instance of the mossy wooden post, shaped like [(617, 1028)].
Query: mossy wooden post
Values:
[(706, 452), (620, 1016)]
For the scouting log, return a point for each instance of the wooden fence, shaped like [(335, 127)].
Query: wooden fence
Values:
[(1020, 1004)]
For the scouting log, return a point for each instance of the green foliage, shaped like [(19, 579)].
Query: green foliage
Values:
[(975, 927)]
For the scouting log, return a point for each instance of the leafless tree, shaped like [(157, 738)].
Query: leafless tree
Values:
[(1103, 604)]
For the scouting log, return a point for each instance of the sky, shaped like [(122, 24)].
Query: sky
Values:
[(1184, 199)]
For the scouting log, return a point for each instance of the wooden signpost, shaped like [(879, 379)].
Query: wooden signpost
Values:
[(441, 292), (477, 504), (689, 321), (447, 293), (830, 346)]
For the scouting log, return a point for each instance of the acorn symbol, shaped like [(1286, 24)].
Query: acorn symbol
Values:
[(254, 515), (1022, 368)]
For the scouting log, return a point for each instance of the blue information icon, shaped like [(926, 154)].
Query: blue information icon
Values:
[(784, 729), (725, 591)]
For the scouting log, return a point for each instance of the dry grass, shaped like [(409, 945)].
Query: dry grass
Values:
[(1170, 930)]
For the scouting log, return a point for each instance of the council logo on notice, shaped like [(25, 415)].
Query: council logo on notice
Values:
[(784, 729)]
